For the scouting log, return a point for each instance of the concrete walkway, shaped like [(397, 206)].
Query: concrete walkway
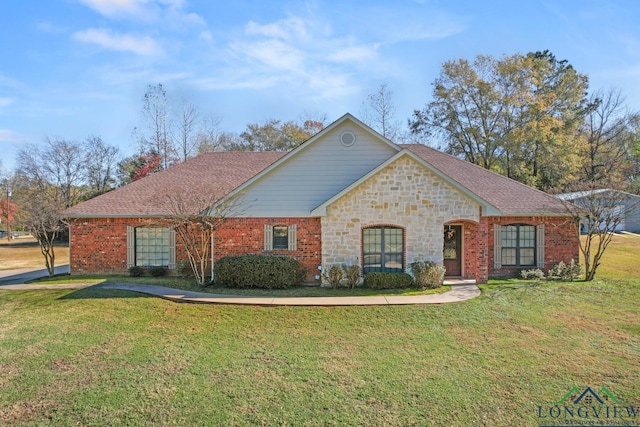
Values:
[(461, 290), (20, 276)]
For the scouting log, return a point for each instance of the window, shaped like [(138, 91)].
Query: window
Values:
[(280, 237), (383, 249), (151, 247), (518, 243)]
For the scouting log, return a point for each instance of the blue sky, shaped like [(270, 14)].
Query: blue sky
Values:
[(73, 68)]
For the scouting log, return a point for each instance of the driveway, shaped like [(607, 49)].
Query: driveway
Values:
[(15, 277)]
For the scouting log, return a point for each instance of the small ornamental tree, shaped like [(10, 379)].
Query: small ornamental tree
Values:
[(599, 211), (42, 218), (194, 219)]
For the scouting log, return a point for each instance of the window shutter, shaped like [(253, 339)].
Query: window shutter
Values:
[(497, 246), (172, 249), (131, 247), (293, 237), (268, 238), (540, 245)]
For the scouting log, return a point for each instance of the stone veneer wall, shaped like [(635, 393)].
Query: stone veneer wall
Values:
[(404, 194)]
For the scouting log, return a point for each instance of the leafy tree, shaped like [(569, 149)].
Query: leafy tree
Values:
[(514, 115), (555, 102), (138, 166), (273, 135)]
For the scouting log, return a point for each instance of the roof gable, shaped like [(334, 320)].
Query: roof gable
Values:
[(487, 207), (510, 197), (314, 171)]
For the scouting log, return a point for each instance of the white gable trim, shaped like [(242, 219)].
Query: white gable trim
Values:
[(293, 153), (487, 208)]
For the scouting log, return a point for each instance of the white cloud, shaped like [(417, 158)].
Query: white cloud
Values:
[(115, 8), (7, 135), (287, 29), (5, 102), (141, 45), (170, 12), (206, 36)]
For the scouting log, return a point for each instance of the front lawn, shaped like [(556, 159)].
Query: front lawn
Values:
[(188, 285), (104, 357)]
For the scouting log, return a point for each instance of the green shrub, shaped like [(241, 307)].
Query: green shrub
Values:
[(352, 274), (377, 280), (259, 271), (136, 271), (427, 274), (564, 272), (533, 274), (158, 271), (333, 275)]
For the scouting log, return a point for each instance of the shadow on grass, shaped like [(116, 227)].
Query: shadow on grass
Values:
[(97, 292)]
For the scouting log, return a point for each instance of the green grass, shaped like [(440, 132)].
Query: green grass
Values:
[(187, 284), (104, 357)]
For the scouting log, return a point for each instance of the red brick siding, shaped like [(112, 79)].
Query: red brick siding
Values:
[(99, 245), (560, 241), (240, 236)]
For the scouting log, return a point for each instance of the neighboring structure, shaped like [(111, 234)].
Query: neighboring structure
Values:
[(624, 205), (347, 195)]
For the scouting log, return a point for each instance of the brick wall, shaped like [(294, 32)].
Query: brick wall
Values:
[(560, 241), (99, 245), (239, 236)]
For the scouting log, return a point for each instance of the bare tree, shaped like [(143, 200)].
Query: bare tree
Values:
[(599, 211), (195, 219), (379, 111), (155, 111), (210, 138), (58, 170), (101, 161), (608, 133), (186, 129)]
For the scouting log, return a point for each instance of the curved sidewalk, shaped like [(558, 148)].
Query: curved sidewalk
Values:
[(460, 292)]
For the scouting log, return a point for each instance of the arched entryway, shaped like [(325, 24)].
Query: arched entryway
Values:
[(452, 250)]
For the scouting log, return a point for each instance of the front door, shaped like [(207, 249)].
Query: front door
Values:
[(453, 250)]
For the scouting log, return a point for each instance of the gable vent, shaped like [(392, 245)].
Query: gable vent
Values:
[(347, 138)]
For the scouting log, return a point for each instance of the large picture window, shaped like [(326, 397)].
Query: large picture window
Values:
[(518, 244), (152, 247), (382, 249)]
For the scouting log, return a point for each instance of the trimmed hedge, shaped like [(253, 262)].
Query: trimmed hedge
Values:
[(378, 280), (259, 271)]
